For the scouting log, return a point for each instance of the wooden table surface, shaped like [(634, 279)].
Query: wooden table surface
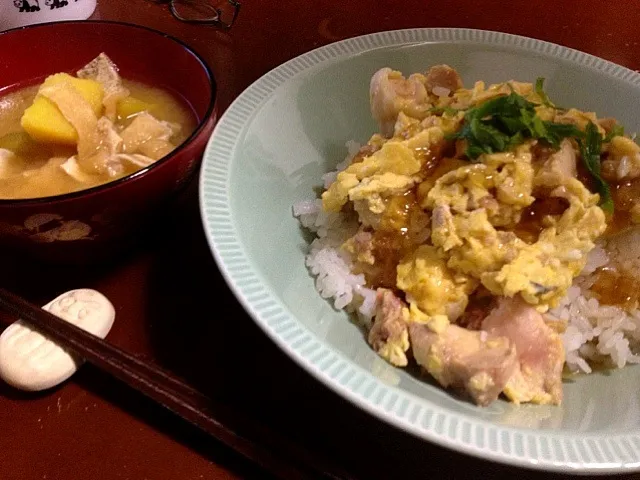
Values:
[(94, 428)]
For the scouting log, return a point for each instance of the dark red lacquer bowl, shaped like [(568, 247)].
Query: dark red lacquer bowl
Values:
[(93, 224)]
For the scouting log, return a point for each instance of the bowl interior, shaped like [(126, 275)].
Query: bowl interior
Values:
[(298, 133), (29, 54)]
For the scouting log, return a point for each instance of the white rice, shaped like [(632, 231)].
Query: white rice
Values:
[(601, 334), (352, 149), (331, 265), (595, 334)]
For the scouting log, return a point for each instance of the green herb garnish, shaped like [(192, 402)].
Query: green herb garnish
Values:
[(542, 94), (590, 148), (616, 131), (504, 122), (557, 131)]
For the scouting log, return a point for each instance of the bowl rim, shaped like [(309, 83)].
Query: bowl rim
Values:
[(211, 107)]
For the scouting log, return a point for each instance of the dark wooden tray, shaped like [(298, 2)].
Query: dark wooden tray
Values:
[(174, 308)]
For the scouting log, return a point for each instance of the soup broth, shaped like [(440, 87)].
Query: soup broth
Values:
[(32, 168)]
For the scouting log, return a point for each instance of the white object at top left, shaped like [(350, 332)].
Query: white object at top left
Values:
[(18, 13)]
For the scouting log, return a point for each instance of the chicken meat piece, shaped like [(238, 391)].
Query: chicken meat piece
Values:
[(539, 350), (623, 160), (390, 93), (558, 167), (110, 145), (366, 151), (473, 361), (441, 78), (107, 159), (360, 246), (389, 336), (149, 136), (103, 159)]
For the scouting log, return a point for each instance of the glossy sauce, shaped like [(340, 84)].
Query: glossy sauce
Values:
[(532, 220), (625, 194), (37, 173), (404, 220), (432, 157), (620, 220), (429, 159), (619, 288), (392, 239)]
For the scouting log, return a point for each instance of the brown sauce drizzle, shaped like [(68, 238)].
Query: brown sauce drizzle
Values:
[(585, 177), (388, 250), (614, 287), (532, 220), (541, 152), (620, 220), (480, 304), (625, 195), (431, 156), (430, 160), (391, 241)]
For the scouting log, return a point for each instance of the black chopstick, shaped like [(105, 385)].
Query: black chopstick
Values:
[(281, 457)]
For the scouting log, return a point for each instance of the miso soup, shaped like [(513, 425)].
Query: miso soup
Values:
[(75, 132)]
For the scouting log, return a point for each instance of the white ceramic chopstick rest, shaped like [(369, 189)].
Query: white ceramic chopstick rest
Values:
[(30, 361)]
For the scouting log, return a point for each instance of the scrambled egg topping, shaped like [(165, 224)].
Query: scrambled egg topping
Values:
[(466, 216), (391, 170), (474, 207), (430, 285)]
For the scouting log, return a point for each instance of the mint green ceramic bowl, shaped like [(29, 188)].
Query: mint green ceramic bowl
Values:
[(271, 148)]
